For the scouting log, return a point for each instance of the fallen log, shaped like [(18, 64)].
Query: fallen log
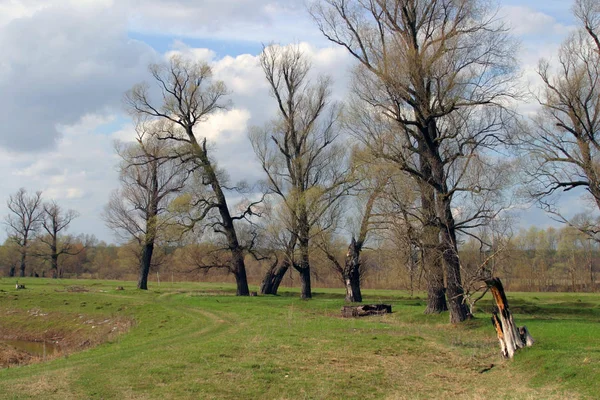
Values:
[(510, 336), (366, 309)]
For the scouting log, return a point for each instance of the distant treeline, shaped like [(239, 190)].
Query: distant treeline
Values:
[(532, 260)]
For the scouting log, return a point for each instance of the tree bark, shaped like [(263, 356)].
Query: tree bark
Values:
[(238, 267), (303, 244), (145, 263), (239, 271), (447, 236), (431, 257), (54, 256), (273, 277), (306, 292), (22, 266), (54, 265), (352, 272), (11, 271), (511, 337)]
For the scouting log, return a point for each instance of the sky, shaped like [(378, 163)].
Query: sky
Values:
[(66, 65)]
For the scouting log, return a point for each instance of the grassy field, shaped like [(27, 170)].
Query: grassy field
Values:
[(199, 341)]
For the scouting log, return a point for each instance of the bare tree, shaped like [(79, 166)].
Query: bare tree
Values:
[(189, 98), (23, 222), (564, 143), (298, 153), (443, 72), (372, 178), (55, 221), (277, 227), (151, 175)]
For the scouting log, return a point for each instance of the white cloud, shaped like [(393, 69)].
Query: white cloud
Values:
[(527, 21), (59, 63), (226, 126), (66, 64)]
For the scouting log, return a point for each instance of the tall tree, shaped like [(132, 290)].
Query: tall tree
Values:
[(564, 144), (23, 222), (189, 97), (298, 153), (151, 175), (372, 178), (55, 221), (443, 72)]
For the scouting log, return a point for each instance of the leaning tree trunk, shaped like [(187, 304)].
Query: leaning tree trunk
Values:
[(239, 271), (511, 337), (273, 277), (238, 267), (352, 272)]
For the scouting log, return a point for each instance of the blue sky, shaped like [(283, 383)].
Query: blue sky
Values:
[(67, 63)]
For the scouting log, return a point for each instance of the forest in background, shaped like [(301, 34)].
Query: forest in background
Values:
[(544, 260)]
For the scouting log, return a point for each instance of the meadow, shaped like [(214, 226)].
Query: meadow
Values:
[(199, 341)]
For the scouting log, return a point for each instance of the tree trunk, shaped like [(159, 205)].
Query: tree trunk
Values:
[(447, 236), (239, 271), (11, 271), (304, 267), (510, 337), (238, 267), (145, 263), (273, 277), (22, 267), (456, 299), (431, 257), (352, 272), (54, 264), (306, 292)]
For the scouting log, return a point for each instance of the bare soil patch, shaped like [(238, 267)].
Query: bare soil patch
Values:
[(63, 333)]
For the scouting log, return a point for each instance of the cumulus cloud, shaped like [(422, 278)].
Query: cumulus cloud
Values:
[(243, 20), (79, 173), (67, 63), (59, 63)]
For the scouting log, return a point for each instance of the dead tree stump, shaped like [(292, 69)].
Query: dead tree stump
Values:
[(366, 309), (510, 336)]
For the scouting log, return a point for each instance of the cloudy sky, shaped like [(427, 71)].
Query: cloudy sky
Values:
[(66, 63)]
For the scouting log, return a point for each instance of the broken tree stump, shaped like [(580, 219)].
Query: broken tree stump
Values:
[(366, 309), (510, 336)]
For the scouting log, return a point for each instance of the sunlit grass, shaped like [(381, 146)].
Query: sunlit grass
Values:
[(199, 341)]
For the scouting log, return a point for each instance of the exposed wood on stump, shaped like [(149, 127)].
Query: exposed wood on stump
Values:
[(351, 272), (510, 336), (366, 309)]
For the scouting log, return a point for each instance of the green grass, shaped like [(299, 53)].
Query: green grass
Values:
[(199, 341)]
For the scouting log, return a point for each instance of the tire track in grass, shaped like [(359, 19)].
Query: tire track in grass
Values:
[(163, 324)]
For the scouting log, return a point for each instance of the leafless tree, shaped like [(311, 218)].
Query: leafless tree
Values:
[(371, 177), (276, 229), (151, 174), (189, 97), (443, 72), (564, 143), (23, 222), (298, 151), (55, 221)]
